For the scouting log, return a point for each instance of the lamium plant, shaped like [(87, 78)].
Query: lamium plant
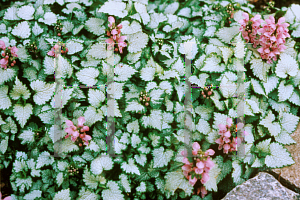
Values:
[(119, 128)]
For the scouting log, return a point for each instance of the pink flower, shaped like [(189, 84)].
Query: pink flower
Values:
[(184, 153), (222, 127), (4, 62), (209, 152), (13, 51), (187, 168), (74, 136), (111, 21), (240, 125), (81, 120), (86, 139), (209, 163), (2, 45), (205, 178), (200, 165), (6, 198), (198, 171), (111, 42), (84, 129), (226, 147), (186, 161), (51, 53), (196, 148), (203, 191), (226, 140), (186, 174), (227, 134), (229, 122), (192, 181)]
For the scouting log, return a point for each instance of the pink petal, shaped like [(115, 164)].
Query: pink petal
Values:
[(186, 168), (222, 127), (69, 130), (227, 134), (111, 19), (87, 137), (209, 163), (184, 153), (226, 146), (205, 178), (51, 53), (84, 129), (194, 152), (210, 152), (246, 133), (120, 26), (219, 141), (203, 191), (226, 140), (186, 174), (198, 171), (110, 40), (75, 134), (281, 20), (69, 123), (114, 32), (121, 39), (200, 165), (2, 45), (3, 61), (229, 121), (282, 47), (246, 16), (186, 161), (240, 125), (192, 181), (196, 146), (81, 120)]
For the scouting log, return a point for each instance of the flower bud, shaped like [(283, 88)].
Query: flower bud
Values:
[(148, 98), (204, 96), (206, 88), (116, 49), (209, 93), (12, 64), (80, 144), (58, 34), (207, 97), (141, 98), (202, 92), (147, 104), (6, 57), (3, 54)]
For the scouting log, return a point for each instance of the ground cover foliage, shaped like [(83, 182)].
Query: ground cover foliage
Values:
[(150, 41)]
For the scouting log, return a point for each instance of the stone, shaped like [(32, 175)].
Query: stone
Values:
[(264, 187), (291, 173)]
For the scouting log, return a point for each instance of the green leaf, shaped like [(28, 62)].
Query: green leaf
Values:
[(279, 157), (22, 113), (161, 158)]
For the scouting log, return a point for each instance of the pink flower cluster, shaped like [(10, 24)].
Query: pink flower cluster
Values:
[(198, 166), (52, 52), (8, 55), (115, 35), (227, 141), (270, 37), (73, 131)]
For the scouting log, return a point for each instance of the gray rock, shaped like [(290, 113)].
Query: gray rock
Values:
[(263, 187)]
